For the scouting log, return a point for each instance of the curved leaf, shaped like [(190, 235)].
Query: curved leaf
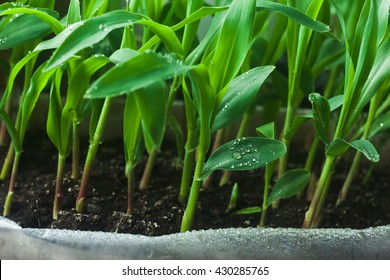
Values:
[(289, 184), (334, 103), (340, 146), (151, 103), (38, 82), (266, 130), (294, 14), (43, 14), (380, 125), (21, 30), (241, 93), (233, 43), (91, 32), (321, 115), (244, 154), (248, 211), (138, 72)]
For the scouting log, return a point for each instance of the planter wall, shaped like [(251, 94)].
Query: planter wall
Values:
[(252, 243)]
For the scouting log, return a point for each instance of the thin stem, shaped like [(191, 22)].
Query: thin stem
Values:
[(148, 170), (217, 142), (93, 147), (11, 187), (187, 167), (59, 183), (318, 212), (368, 173), (75, 151), (267, 180), (130, 190), (189, 213), (356, 161), (6, 169), (326, 172), (153, 155), (4, 137)]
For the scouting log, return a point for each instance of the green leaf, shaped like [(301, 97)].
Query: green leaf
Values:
[(244, 154), (294, 14), (11, 129), (321, 115), (138, 72), (340, 146), (53, 123), (38, 82), (74, 12), (91, 32), (78, 85), (334, 103), (289, 184), (166, 35), (266, 130), (151, 103), (240, 94), (248, 211), (131, 129), (21, 30), (233, 43), (44, 14), (204, 100), (92, 9), (380, 125)]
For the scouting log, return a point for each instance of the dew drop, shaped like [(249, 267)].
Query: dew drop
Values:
[(237, 155)]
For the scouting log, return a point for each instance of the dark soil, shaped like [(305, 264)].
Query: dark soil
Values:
[(157, 210)]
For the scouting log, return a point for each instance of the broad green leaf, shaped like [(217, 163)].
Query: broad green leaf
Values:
[(44, 14), (21, 30), (138, 72), (55, 42), (267, 130), (131, 129), (204, 100), (78, 85), (12, 76), (166, 35), (53, 123), (244, 154), (38, 82), (321, 115), (334, 103), (340, 146), (294, 14), (197, 15), (378, 76), (11, 129), (92, 9), (380, 125), (74, 12), (289, 184), (248, 211), (211, 34), (190, 30), (177, 131), (151, 102), (240, 94), (233, 43), (91, 32), (96, 110)]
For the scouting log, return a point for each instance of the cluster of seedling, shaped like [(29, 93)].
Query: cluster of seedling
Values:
[(149, 51)]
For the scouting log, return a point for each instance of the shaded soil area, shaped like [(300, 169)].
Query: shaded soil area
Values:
[(157, 210)]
